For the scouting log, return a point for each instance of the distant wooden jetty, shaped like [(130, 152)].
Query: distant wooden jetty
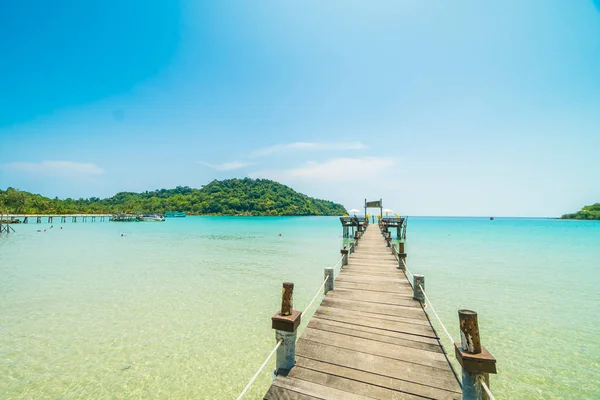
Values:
[(50, 218), (371, 336), (5, 223)]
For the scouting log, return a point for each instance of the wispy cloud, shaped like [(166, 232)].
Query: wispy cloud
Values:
[(337, 169), (227, 166), (56, 168), (307, 146)]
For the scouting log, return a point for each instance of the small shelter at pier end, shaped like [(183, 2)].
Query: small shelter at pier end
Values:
[(353, 225)]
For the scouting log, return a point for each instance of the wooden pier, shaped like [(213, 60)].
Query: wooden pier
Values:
[(5, 223), (369, 338), (62, 218)]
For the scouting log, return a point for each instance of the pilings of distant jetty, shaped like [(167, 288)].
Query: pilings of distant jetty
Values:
[(5, 224), (49, 218)]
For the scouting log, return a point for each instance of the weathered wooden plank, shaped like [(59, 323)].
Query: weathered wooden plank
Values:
[(279, 393), (374, 308), (422, 374), (314, 389), (371, 253), (372, 259), (349, 385), (348, 317), (374, 297), (379, 287), (357, 271), (337, 311), (396, 384), (370, 279), (390, 267), (391, 287), (403, 339), (417, 356)]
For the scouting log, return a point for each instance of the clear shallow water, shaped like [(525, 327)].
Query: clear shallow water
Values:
[(182, 309)]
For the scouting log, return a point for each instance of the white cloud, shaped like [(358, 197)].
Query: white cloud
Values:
[(227, 166), (334, 170), (307, 146), (56, 168)]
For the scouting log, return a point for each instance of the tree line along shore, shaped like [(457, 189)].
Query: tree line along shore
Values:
[(587, 212), (252, 197)]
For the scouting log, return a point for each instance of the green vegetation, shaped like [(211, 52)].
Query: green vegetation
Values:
[(229, 197), (587, 212)]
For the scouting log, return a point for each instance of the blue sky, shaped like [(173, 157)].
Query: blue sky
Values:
[(440, 108)]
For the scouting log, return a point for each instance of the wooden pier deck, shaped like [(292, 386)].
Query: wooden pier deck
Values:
[(369, 339)]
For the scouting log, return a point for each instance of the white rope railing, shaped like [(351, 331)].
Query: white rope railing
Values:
[(259, 370), (340, 261), (316, 295), (487, 389), (406, 270), (436, 314)]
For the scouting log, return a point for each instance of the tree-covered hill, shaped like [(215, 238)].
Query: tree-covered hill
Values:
[(587, 212), (228, 197)]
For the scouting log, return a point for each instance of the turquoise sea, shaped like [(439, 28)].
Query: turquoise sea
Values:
[(182, 309)]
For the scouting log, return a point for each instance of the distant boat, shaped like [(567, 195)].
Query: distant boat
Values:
[(152, 218), (491, 218), (175, 214)]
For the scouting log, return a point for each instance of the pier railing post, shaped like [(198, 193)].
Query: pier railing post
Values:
[(476, 362), (418, 283), (394, 250), (401, 255), (285, 323), (329, 284), (344, 252)]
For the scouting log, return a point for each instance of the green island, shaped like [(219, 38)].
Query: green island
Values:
[(252, 197), (587, 212)]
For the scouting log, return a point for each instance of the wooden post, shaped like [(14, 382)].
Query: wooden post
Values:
[(476, 362), (285, 323), (418, 283), (400, 263), (388, 241), (344, 252), (351, 247), (401, 255), (329, 284)]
